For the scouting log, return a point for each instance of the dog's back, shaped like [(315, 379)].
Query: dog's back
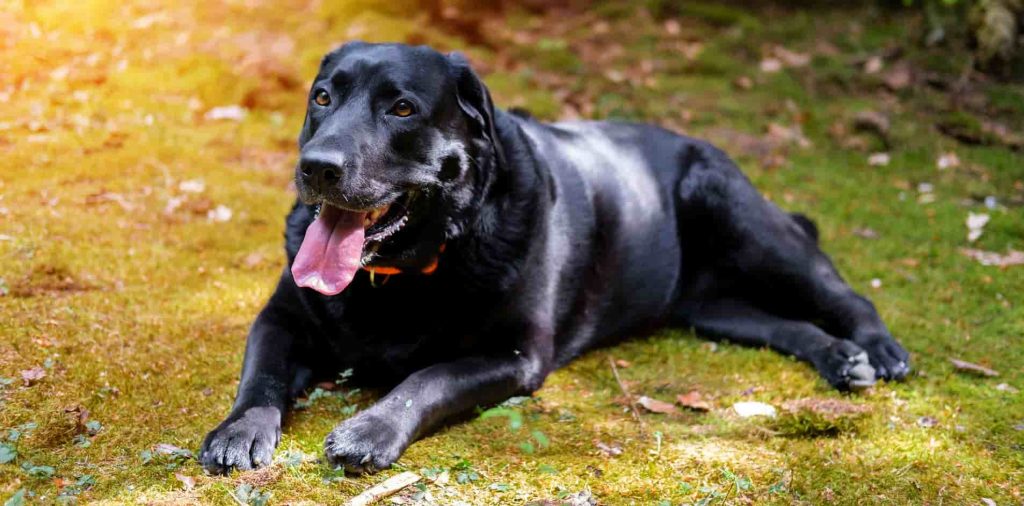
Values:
[(616, 181)]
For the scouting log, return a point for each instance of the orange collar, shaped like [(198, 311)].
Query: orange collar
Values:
[(395, 270)]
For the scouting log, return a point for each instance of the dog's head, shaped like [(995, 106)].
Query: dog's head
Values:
[(392, 139)]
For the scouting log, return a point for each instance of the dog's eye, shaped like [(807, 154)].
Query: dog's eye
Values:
[(403, 109), (322, 98)]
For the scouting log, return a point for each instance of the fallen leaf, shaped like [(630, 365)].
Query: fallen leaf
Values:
[(33, 375), (622, 363), (81, 416), (187, 482), (873, 65), (611, 450), (873, 121), (656, 406), (1005, 387), (219, 214), (694, 401), (254, 260), (988, 502), (192, 186), (976, 225), (748, 409), (878, 159), (865, 233), (787, 135), (991, 258), (898, 77), (672, 27), (227, 112), (743, 83), (791, 58), (947, 161), (963, 366), (770, 65)]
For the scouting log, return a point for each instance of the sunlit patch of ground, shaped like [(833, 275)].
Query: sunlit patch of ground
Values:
[(146, 153)]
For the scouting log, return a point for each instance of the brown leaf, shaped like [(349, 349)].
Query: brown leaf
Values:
[(187, 482), (254, 260), (81, 415), (962, 366), (874, 122), (791, 58), (898, 77), (865, 233), (873, 65), (611, 450), (656, 406), (33, 375), (743, 83), (622, 363), (694, 401)]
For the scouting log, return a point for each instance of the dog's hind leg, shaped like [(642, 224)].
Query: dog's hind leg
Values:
[(841, 362), (775, 258)]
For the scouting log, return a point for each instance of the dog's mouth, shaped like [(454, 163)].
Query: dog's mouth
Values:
[(333, 249)]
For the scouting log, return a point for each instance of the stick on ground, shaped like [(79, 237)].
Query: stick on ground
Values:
[(629, 398), (384, 489)]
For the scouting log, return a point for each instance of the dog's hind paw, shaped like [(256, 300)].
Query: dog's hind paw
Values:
[(243, 443), (364, 444), (846, 366)]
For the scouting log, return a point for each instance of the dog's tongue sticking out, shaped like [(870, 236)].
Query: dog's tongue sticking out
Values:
[(329, 256)]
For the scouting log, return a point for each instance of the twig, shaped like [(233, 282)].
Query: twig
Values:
[(629, 398), (384, 489)]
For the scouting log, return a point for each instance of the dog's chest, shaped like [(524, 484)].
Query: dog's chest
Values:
[(405, 324)]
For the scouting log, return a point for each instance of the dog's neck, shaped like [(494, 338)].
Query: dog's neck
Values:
[(516, 196)]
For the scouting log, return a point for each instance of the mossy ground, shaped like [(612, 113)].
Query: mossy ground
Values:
[(137, 310)]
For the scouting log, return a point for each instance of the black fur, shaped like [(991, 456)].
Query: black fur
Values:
[(556, 239)]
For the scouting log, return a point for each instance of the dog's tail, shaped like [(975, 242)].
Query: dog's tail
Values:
[(807, 224)]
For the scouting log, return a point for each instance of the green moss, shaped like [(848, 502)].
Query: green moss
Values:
[(138, 315)]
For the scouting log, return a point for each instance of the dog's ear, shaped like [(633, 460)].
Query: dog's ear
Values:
[(473, 97)]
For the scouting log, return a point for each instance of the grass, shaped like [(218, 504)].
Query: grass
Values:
[(134, 303)]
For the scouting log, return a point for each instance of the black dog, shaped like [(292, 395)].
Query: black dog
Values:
[(464, 253)]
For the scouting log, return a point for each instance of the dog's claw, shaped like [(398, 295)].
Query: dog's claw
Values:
[(363, 444)]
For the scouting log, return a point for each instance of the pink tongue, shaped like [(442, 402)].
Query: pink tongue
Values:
[(329, 256)]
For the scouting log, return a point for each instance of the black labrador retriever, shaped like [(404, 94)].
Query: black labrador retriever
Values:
[(464, 253)]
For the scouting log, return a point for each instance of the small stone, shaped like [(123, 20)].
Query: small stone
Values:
[(750, 409)]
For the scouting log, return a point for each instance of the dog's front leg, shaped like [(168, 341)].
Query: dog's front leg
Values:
[(247, 437), (374, 439)]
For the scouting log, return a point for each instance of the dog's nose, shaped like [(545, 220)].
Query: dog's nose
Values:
[(319, 172)]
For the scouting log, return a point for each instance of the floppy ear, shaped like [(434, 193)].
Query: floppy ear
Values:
[(473, 98)]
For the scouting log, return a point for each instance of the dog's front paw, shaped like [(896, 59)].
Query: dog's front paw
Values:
[(890, 360), (364, 444), (243, 442), (845, 366)]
